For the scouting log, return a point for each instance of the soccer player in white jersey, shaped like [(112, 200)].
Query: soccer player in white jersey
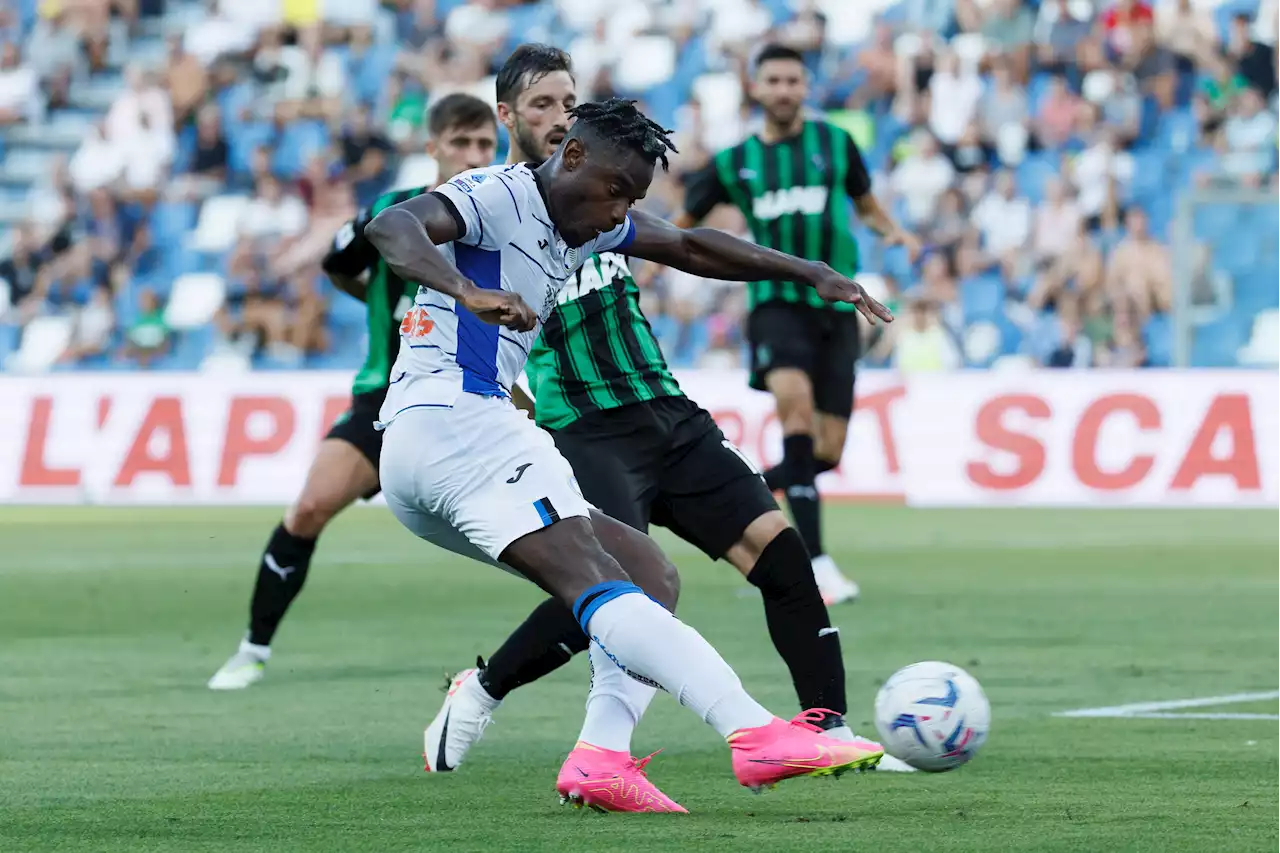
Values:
[(466, 470)]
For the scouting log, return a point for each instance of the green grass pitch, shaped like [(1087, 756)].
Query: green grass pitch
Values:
[(111, 620)]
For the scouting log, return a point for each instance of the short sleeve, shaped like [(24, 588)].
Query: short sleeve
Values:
[(703, 191), (488, 208), (857, 181), (351, 254), (617, 240)]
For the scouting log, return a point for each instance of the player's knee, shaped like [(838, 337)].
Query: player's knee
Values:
[(783, 569), (746, 552), (309, 515)]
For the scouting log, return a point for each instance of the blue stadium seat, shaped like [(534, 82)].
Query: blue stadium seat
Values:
[(1258, 288), (981, 298), (1215, 344), (9, 337), (1158, 336)]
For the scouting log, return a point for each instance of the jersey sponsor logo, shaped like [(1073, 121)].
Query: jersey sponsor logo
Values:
[(806, 200), (589, 279), (417, 323)]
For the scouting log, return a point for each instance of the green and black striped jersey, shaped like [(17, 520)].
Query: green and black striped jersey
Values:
[(387, 296), (795, 194), (596, 350)]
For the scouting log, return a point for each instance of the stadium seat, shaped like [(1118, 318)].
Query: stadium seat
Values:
[(1264, 342), (416, 170), (195, 299), (43, 340), (1014, 363), (1158, 337), (981, 297), (646, 62), (1215, 344), (982, 343), (219, 224)]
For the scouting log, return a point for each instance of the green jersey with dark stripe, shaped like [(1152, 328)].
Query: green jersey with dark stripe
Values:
[(596, 350), (387, 296), (795, 194)]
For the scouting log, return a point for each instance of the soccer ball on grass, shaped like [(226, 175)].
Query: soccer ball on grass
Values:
[(932, 715)]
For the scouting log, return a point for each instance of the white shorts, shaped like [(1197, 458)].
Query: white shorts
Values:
[(475, 477)]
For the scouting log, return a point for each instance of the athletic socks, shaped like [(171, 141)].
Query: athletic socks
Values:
[(776, 477), (543, 643), (802, 494), (798, 623), (642, 638), (281, 574), (615, 704)]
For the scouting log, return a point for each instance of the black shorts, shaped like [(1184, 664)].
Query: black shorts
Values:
[(666, 462), (355, 427), (821, 342)]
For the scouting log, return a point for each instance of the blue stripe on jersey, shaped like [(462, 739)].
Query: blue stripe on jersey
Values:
[(628, 238), (477, 340)]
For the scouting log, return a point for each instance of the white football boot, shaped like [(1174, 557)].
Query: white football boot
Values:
[(834, 586), (467, 711), (247, 666)]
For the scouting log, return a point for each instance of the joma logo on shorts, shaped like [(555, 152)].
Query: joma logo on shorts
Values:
[(806, 200)]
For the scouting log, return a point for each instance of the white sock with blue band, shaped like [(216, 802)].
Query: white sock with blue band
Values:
[(644, 640)]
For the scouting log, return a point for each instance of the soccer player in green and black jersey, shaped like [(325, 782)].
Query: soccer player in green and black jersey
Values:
[(643, 453), (462, 135), (793, 182)]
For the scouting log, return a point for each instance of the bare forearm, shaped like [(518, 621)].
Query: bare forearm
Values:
[(409, 252), (874, 216), (356, 288), (714, 254)]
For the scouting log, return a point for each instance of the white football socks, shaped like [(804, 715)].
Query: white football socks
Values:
[(615, 704), (635, 632)]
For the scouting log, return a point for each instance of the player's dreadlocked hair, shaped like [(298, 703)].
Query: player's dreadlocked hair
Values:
[(617, 120)]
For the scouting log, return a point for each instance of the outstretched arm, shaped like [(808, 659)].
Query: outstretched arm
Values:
[(879, 220), (710, 253)]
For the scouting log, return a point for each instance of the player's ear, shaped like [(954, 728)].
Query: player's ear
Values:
[(507, 116), (432, 147), (572, 153)]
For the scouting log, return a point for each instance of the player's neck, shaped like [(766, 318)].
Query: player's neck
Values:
[(775, 132)]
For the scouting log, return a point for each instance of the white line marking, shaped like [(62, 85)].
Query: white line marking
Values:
[(1153, 710)]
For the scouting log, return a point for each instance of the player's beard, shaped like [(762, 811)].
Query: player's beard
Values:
[(536, 151), (783, 115)]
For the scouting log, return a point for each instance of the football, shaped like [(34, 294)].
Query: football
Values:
[(932, 715)]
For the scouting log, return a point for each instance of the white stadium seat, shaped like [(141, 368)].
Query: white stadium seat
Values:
[(1263, 348), (195, 299), (43, 340), (417, 170), (646, 62), (219, 223)]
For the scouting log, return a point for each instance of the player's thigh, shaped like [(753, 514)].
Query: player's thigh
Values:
[(783, 347), (838, 354), (710, 492), (339, 475), (609, 473)]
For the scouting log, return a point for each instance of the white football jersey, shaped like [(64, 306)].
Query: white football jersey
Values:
[(507, 243)]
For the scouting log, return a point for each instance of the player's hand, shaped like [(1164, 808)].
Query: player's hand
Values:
[(906, 240), (500, 308), (834, 287)]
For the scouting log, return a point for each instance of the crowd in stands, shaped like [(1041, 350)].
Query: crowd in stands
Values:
[(172, 172)]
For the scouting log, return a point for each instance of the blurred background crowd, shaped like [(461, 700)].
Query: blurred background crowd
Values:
[(1095, 181)]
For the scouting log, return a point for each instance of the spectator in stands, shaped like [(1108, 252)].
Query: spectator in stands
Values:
[(93, 325), (211, 157), (922, 343), (1186, 31), (1057, 117), (1057, 223), (19, 88), (878, 61), (314, 79), (922, 177), (148, 336), (972, 153), (954, 93), (1079, 269), (1102, 174), (1070, 346), (1249, 137), (1005, 103), (1124, 349), (1007, 25), (187, 82), (1140, 270), (1004, 218), (1253, 60), (1059, 34), (20, 272), (949, 223), (267, 225), (1154, 67), (367, 156), (1120, 25), (1121, 106)]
